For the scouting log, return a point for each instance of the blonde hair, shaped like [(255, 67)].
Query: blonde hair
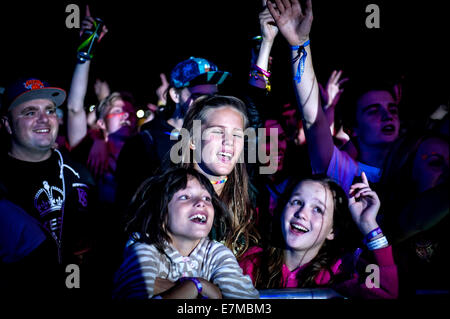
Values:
[(235, 193), (105, 105)]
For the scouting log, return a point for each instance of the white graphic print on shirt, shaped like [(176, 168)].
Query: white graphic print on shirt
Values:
[(49, 201)]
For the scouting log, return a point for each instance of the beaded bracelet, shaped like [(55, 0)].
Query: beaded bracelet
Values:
[(377, 243), (266, 73), (256, 76), (372, 234)]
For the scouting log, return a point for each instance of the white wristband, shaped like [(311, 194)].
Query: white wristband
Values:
[(377, 243)]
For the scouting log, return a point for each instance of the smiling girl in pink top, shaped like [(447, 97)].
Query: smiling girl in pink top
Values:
[(316, 235)]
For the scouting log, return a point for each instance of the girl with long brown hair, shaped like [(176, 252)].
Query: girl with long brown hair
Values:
[(313, 242), (216, 131)]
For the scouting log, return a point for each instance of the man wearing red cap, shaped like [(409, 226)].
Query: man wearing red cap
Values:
[(40, 179)]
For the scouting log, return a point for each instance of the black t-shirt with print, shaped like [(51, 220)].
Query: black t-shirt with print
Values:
[(55, 192)]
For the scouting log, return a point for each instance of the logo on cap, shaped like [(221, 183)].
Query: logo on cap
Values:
[(34, 84)]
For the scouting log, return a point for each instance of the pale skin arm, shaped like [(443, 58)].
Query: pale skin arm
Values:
[(295, 25), (76, 117), (268, 31), (186, 290)]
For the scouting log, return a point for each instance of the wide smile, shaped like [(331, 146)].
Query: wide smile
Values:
[(42, 131), (298, 228), (225, 157), (199, 218)]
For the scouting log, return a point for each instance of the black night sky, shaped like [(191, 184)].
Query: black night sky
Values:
[(149, 37)]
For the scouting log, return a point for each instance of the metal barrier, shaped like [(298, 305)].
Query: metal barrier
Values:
[(299, 293)]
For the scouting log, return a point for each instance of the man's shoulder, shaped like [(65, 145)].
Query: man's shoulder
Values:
[(78, 169)]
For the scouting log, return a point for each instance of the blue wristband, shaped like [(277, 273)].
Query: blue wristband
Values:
[(301, 54), (372, 234), (197, 283)]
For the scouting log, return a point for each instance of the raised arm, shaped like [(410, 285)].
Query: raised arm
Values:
[(364, 205), (295, 25), (268, 31), (259, 73), (76, 117)]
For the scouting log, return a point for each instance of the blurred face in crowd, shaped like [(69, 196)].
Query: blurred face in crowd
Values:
[(132, 117), (222, 141), (275, 151), (33, 126), (188, 95), (307, 219), (291, 122), (430, 166), (116, 117), (377, 118)]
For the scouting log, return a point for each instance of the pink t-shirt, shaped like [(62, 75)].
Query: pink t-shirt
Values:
[(388, 276), (252, 259)]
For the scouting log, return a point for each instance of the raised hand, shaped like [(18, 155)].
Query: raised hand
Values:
[(331, 93), (364, 205), (88, 23), (293, 23), (101, 89), (269, 29), (161, 91)]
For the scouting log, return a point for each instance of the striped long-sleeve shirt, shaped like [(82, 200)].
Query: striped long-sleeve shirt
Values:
[(210, 260)]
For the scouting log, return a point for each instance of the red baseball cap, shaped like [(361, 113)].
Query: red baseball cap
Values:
[(27, 89)]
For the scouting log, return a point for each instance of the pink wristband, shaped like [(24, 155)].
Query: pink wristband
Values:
[(266, 73)]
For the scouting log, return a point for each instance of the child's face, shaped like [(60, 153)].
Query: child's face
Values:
[(307, 219), (191, 213), (222, 141)]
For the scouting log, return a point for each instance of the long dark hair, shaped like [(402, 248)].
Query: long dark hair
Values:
[(235, 193), (148, 210), (269, 275)]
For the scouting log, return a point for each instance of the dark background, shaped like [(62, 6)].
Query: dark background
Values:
[(149, 37)]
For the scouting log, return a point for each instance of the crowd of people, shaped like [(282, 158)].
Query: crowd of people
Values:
[(223, 196)]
